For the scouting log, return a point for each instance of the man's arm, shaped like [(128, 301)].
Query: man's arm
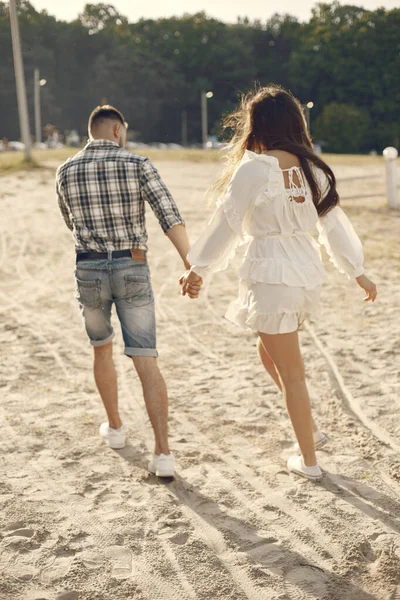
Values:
[(178, 236), (156, 193)]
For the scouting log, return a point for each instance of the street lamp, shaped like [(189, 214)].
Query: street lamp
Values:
[(38, 83), (204, 116), (307, 109)]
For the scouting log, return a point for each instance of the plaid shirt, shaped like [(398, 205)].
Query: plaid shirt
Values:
[(102, 192)]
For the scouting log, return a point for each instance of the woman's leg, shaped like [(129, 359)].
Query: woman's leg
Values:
[(270, 368), (268, 363), (284, 351)]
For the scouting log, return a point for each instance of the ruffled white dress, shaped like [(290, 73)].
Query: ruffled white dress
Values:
[(282, 271)]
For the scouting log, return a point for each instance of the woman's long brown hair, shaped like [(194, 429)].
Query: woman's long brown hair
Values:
[(271, 118)]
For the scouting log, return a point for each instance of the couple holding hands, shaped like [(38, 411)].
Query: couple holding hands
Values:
[(273, 192)]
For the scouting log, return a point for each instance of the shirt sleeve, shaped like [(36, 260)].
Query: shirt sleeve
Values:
[(156, 193), (343, 245), (217, 246), (63, 205)]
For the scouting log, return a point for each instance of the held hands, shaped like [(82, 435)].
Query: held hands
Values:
[(191, 284), (368, 286)]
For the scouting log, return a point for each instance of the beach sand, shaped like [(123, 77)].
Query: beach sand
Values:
[(79, 521)]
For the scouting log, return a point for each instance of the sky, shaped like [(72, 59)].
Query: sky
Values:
[(225, 10)]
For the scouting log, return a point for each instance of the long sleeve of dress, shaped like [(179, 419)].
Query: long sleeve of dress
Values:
[(342, 243), (216, 247)]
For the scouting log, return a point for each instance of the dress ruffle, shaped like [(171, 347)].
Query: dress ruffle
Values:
[(273, 308), (285, 322), (272, 270)]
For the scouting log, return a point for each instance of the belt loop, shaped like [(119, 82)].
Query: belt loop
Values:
[(109, 257)]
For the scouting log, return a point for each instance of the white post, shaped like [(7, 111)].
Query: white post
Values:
[(204, 119), (20, 81), (38, 118), (390, 154)]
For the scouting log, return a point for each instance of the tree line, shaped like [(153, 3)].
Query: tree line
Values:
[(345, 59)]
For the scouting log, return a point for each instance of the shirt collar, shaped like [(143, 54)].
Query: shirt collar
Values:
[(101, 144)]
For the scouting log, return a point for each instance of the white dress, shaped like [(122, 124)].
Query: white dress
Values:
[(282, 271)]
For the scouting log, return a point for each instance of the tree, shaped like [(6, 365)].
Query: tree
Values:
[(155, 69), (344, 128), (96, 17)]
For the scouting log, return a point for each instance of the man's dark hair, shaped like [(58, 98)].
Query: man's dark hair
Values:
[(103, 113)]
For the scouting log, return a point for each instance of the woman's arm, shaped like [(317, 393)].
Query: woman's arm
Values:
[(344, 247), (217, 245), (210, 253), (342, 243)]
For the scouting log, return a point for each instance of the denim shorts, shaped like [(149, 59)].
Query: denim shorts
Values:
[(125, 283)]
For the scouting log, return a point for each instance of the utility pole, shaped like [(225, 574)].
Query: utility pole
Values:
[(184, 136), (38, 118), (20, 81)]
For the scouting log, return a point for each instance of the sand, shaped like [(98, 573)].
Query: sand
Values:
[(79, 521)]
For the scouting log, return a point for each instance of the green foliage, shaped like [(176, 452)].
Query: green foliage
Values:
[(343, 128), (345, 59)]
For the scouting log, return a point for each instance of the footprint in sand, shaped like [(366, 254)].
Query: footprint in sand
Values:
[(121, 559), (91, 559), (56, 569), (312, 581), (67, 596), (22, 571), (26, 533), (176, 537), (18, 529), (16, 534)]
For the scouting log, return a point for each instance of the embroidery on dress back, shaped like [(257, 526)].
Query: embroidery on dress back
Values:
[(296, 190)]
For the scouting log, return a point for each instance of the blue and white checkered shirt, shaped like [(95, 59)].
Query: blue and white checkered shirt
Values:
[(102, 192)]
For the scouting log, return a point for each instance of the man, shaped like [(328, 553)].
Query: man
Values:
[(102, 192)]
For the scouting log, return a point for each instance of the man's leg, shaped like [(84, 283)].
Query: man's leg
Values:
[(106, 380), (156, 399)]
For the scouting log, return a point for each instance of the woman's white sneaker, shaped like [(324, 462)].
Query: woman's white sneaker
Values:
[(320, 439), (296, 465), (162, 465), (115, 438)]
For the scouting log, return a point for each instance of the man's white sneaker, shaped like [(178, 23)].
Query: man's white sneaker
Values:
[(320, 439), (296, 465), (162, 465), (115, 438)]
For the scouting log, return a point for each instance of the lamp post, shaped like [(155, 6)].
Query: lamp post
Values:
[(38, 83), (204, 116), (20, 81), (184, 128), (307, 110)]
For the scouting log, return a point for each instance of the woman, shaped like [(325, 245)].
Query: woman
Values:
[(275, 190)]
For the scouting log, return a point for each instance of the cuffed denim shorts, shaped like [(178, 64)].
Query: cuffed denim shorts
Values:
[(125, 283)]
